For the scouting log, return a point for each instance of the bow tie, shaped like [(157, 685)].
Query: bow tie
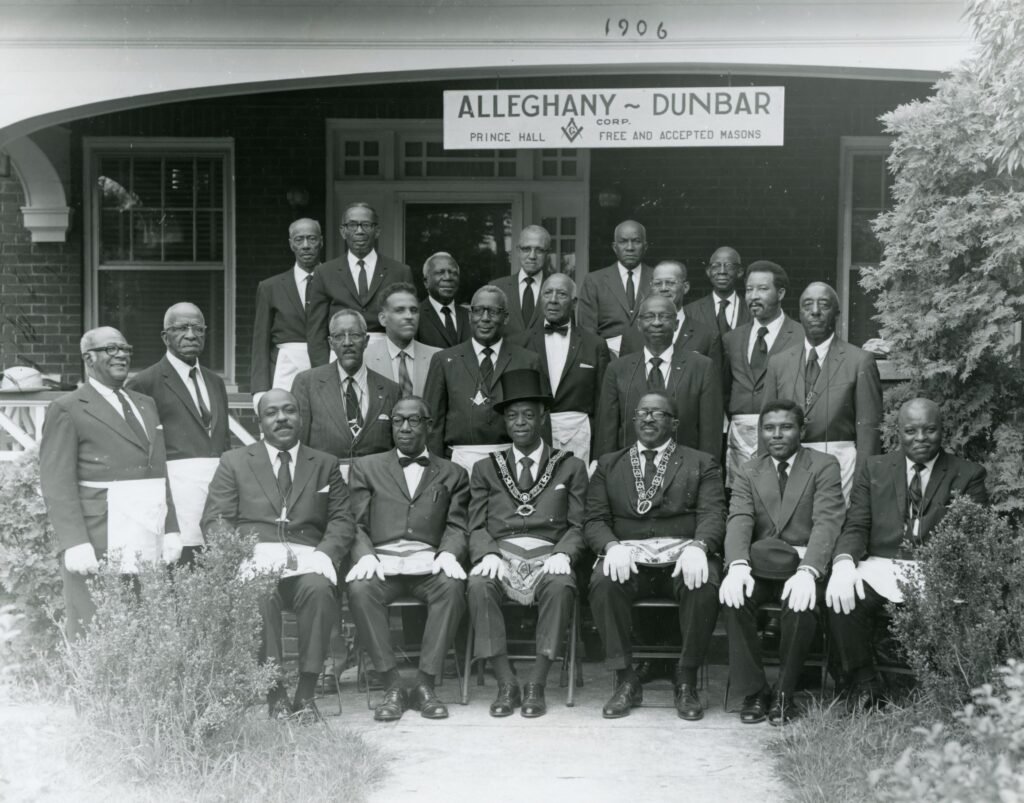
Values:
[(422, 460), (556, 330)]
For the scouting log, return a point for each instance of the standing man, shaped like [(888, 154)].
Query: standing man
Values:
[(352, 281), (465, 381), (523, 290), (398, 356), (443, 323), (346, 407), (690, 379), (295, 501), (192, 403), (410, 510), (660, 506), (102, 467), (747, 349), (279, 349), (610, 298), (897, 498), (525, 525), (574, 361), (837, 385), (723, 309), (786, 511)]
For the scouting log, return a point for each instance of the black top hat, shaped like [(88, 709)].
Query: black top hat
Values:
[(523, 384)]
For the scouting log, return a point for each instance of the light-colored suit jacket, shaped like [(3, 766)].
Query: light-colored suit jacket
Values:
[(378, 358)]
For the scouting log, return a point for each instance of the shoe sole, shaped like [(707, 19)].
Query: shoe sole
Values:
[(606, 715), (533, 714), (386, 718), (690, 718), (502, 714), (434, 714), (753, 721)]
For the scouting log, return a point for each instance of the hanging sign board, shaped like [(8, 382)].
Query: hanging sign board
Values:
[(694, 117)]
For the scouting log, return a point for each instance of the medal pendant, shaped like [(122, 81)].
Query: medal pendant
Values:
[(479, 399), (525, 509), (643, 507)]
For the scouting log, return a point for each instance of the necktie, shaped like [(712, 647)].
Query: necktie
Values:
[(723, 317), (783, 476), (352, 410), (525, 475), (422, 460), (528, 301), (487, 366), (630, 291), (649, 467), (655, 381), (449, 324), (364, 288), (811, 375), (131, 419), (914, 498), (204, 411), (403, 374), (305, 288), (284, 476), (556, 330), (759, 359)]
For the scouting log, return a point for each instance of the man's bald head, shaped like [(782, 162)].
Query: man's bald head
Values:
[(279, 418), (108, 369), (669, 280), (920, 407), (919, 423), (274, 396), (100, 336), (724, 271), (182, 309)]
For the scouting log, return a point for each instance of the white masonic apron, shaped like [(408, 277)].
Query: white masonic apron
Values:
[(190, 481), (846, 453), (571, 431), (136, 514)]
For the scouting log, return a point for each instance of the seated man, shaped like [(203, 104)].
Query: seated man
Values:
[(410, 511), (294, 499), (784, 517), (661, 505), (897, 500), (525, 521)]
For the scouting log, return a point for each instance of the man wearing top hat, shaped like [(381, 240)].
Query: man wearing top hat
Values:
[(785, 514), (656, 519), (525, 534)]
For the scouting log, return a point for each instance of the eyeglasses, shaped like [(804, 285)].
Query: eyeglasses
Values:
[(413, 420), (114, 349), (486, 312), (651, 317), (346, 337), (359, 225), (181, 328), (312, 239), (657, 415)]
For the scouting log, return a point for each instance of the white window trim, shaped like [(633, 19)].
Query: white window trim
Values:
[(91, 147)]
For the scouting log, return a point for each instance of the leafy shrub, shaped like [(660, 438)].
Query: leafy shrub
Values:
[(988, 764), (964, 618)]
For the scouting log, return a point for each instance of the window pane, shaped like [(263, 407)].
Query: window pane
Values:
[(864, 246), (351, 148), (209, 236), (145, 181), (178, 183), (862, 308), (867, 181), (371, 148)]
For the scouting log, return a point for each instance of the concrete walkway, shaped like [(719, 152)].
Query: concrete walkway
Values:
[(571, 754)]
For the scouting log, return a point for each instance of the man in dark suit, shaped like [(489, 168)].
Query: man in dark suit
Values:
[(465, 380), (691, 379), (443, 323), (660, 504), (294, 500), (610, 298), (574, 361), (279, 349), (897, 498), (837, 385), (352, 281), (723, 309), (192, 403), (785, 514), (346, 407), (669, 280), (525, 313), (102, 467), (410, 510), (523, 542), (398, 356), (747, 349)]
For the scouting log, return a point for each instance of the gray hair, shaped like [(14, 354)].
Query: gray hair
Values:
[(351, 313)]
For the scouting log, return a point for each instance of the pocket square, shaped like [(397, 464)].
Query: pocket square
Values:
[(560, 486), (159, 426), (383, 417), (584, 365), (325, 489)]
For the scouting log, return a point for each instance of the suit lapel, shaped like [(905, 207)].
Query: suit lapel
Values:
[(100, 409), (330, 392), (899, 482), (766, 483), (501, 364), (937, 478), (374, 404), (678, 367), (259, 464), (427, 477), (674, 462), (799, 476), (302, 474), (379, 274), (833, 360), (470, 364), (173, 381), (684, 335), (420, 365), (291, 293), (615, 282), (346, 276), (570, 357)]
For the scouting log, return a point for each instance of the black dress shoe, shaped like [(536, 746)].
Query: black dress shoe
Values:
[(688, 705), (534, 704), (392, 706), (508, 699), (424, 699), (783, 710), (755, 707), (307, 714), (278, 706), (628, 694)]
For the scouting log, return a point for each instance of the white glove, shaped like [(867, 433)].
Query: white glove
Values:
[(365, 568), (557, 563), (693, 565), (801, 591), (737, 585), (618, 562), (81, 559), (490, 566), (256, 400), (172, 547), (317, 562), (842, 587), (446, 562)]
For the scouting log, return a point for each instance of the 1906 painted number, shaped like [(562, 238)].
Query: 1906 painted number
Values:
[(639, 28)]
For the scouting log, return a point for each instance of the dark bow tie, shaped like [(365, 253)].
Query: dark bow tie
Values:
[(556, 330), (422, 460)]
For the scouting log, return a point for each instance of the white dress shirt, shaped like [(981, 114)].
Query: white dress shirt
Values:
[(557, 349), (182, 369), (369, 262), (275, 461), (439, 309), (302, 278), (624, 275), (112, 399), (732, 311), (414, 471), (660, 450), (821, 348), (773, 332), (535, 456), (926, 473), (479, 349), (666, 363), (410, 362), (537, 281), (362, 389)]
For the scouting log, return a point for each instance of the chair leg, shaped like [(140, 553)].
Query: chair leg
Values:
[(366, 677), (468, 671), (573, 628)]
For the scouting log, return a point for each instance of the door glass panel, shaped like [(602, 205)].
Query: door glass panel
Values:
[(478, 235)]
